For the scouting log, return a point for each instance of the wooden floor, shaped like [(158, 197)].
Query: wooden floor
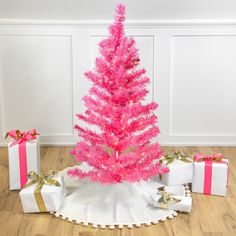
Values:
[(210, 216)]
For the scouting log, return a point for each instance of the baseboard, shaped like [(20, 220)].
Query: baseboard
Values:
[(162, 144)]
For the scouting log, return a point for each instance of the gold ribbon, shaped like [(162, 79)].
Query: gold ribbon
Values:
[(41, 179), (109, 150), (169, 158), (165, 198), (129, 149)]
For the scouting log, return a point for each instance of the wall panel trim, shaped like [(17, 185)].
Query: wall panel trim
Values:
[(131, 23), (162, 33)]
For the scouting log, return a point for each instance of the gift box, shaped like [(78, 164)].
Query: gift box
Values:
[(210, 174), (42, 193), (180, 169), (23, 156), (168, 200)]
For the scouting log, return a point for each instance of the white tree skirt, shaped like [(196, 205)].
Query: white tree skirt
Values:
[(113, 205)]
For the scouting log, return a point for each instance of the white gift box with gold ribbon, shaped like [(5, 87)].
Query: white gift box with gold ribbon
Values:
[(180, 169), (46, 199), (167, 198)]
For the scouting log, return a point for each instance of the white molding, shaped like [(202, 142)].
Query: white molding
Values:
[(175, 134), (194, 144), (132, 23), (171, 133), (162, 32), (74, 92), (170, 125), (163, 144)]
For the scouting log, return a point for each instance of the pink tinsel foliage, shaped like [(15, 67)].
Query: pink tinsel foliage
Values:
[(122, 148)]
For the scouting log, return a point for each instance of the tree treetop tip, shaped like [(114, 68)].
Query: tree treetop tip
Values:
[(120, 13)]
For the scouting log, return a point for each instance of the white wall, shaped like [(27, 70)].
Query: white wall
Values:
[(103, 9), (191, 64)]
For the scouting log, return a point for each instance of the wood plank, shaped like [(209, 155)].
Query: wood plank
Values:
[(211, 215)]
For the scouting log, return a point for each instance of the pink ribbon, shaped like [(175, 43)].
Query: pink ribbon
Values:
[(208, 159), (21, 138)]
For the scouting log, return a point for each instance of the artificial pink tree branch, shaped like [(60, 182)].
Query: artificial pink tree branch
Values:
[(122, 148)]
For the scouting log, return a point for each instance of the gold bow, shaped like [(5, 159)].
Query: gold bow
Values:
[(165, 198), (169, 158), (41, 179)]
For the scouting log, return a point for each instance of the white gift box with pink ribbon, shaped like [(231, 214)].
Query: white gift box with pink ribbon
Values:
[(210, 174), (23, 156)]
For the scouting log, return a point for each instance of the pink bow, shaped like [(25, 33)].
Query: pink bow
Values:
[(215, 157), (21, 136)]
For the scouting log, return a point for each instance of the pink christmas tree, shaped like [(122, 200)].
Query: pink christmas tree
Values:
[(122, 149)]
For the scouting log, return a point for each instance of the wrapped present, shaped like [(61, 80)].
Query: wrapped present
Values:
[(210, 174), (180, 169), (23, 156), (42, 193), (167, 200)]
